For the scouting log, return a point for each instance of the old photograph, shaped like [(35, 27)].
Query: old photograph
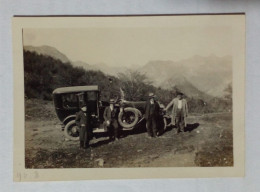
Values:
[(153, 95)]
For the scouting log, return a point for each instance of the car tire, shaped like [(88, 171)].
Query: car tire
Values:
[(134, 114), (68, 131)]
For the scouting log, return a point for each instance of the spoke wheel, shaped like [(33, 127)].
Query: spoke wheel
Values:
[(71, 131)]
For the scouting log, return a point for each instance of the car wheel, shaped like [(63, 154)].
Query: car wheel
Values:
[(71, 131), (128, 118)]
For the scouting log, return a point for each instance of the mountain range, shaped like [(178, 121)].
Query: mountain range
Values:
[(210, 75), (196, 76)]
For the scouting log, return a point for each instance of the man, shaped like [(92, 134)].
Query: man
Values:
[(110, 117), (179, 112), (82, 121), (151, 116)]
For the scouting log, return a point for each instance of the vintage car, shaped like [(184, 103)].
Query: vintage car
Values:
[(67, 102)]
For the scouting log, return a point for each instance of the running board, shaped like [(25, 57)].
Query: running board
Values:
[(97, 130)]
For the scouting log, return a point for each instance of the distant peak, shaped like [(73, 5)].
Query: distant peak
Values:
[(49, 51)]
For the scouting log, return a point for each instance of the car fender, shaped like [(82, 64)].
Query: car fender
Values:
[(69, 118)]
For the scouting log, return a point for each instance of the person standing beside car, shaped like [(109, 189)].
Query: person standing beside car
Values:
[(179, 112), (110, 117), (82, 121), (151, 115)]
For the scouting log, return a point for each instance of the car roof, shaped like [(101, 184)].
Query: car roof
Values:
[(75, 89)]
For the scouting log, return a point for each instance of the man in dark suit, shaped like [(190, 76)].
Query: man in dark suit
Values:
[(83, 122), (151, 115), (110, 117)]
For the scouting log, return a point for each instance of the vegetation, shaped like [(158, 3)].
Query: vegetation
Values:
[(43, 74)]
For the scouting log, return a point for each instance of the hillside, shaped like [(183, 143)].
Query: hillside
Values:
[(198, 77), (43, 74), (201, 76), (48, 51)]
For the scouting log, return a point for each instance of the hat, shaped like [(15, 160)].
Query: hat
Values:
[(151, 95), (111, 101), (179, 93), (83, 105)]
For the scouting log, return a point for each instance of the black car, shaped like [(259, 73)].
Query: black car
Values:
[(67, 102)]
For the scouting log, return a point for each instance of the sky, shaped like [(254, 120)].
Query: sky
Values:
[(133, 46)]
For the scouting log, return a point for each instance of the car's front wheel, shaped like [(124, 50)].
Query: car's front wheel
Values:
[(71, 131)]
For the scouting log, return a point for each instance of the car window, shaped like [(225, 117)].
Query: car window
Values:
[(92, 96), (69, 101)]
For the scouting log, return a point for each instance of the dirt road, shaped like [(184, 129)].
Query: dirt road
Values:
[(206, 142)]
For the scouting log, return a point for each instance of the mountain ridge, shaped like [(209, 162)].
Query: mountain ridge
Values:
[(210, 75), (197, 76), (47, 51)]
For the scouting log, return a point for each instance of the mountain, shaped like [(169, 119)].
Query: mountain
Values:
[(110, 70), (210, 75), (86, 66), (196, 76), (48, 51), (181, 83), (56, 54)]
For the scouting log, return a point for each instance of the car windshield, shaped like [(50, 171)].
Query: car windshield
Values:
[(69, 101)]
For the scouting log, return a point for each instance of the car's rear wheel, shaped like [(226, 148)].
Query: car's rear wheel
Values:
[(128, 118), (71, 131)]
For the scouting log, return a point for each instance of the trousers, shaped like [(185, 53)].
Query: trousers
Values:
[(180, 120), (84, 136), (113, 129), (151, 127)]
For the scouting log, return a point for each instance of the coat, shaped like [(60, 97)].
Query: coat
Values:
[(174, 104), (111, 117), (82, 119), (108, 116), (148, 108), (83, 122)]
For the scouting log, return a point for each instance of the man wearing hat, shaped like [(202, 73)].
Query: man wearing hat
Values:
[(82, 121), (151, 115), (179, 112), (110, 117)]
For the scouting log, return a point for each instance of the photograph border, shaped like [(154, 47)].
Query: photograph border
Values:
[(22, 174)]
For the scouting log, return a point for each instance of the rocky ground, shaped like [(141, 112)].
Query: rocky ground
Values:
[(206, 142)]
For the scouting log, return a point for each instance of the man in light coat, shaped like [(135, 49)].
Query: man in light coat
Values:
[(179, 112)]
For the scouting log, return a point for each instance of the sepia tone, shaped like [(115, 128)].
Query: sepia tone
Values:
[(127, 64)]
